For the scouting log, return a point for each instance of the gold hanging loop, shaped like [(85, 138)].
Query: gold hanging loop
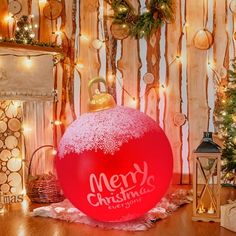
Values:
[(101, 100)]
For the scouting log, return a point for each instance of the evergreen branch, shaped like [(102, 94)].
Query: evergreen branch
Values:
[(145, 24)]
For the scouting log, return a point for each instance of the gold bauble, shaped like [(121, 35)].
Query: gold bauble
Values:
[(120, 31)]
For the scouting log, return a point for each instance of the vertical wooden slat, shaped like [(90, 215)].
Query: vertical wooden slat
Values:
[(67, 18), (45, 26), (68, 26), (3, 22), (88, 56), (152, 103), (197, 78), (153, 60), (29, 4), (173, 94), (111, 49), (25, 8), (129, 65), (34, 9), (220, 47)]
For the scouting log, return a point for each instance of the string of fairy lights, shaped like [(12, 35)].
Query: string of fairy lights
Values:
[(27, 61), (178, 58), (98, 43)]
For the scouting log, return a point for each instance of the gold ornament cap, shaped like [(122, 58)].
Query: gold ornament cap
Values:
[(101, 100)]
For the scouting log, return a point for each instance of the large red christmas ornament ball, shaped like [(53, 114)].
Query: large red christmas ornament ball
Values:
[(114, 165)]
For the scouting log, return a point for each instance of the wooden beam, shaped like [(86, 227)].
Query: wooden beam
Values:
[(153, 67)]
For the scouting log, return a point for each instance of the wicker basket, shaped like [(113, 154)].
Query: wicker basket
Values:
[(43, 188)]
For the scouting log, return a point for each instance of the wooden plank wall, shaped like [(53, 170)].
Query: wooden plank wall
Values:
[(186, 89)]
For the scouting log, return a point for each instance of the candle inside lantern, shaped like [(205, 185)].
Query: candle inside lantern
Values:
[(211, 210), (201, 209)]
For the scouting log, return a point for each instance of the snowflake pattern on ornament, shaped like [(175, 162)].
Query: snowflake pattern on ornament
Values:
[(105, 130)]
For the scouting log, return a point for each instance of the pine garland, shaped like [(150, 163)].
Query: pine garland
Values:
[(142, 25), (33, 43), (225, 117)]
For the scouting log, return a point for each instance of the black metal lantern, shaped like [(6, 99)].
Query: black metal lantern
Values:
[(206, 180)]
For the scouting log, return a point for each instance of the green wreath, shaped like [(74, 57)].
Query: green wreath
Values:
[(158, 12)]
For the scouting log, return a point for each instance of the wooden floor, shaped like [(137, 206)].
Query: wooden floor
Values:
[(17, 222)]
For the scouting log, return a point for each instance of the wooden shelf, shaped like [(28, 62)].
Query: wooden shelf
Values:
[(22, 49)]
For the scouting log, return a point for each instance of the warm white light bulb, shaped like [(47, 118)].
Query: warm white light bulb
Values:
[(162, 88), (16, 104), (84, 37), (23, 191), (133, 102), (210, 64), (178, 58), (42, 2), (32, 35), (79, 65), (54, 152), (58, 33), (9, 18), (163, 6), (110, 78), (26, 129), (35, 26), (57, 122), (97, 43), (122, 9)]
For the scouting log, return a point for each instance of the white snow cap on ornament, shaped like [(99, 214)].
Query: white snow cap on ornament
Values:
[(105, 130)]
